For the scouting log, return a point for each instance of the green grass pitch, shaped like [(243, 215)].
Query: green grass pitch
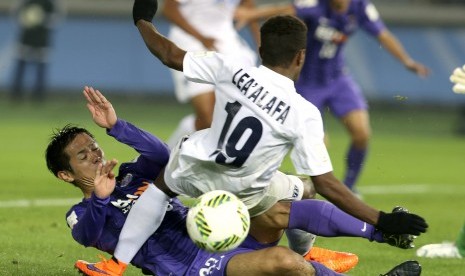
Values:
[(415, 161)]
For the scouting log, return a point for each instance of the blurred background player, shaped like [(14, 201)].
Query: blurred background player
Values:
[(36, 20), (457, 248), (201, 25), (325, 80)]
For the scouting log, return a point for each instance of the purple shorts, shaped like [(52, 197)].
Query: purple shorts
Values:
[(213, 264), (341, 96)]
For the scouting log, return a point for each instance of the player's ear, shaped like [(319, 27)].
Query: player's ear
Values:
[(65, 176), (301, 56)]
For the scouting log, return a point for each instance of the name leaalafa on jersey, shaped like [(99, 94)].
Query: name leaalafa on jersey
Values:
[(255, 92)]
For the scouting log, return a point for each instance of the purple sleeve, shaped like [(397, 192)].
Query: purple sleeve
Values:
[(88, 223), (369, 19), (145, 143)]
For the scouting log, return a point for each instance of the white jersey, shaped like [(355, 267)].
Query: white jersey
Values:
[(214, 19), (258, 118)]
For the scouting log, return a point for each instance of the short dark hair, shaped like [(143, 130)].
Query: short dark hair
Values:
[(55, 155), (281, 38)]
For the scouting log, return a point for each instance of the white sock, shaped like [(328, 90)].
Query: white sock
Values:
[(186, 126), (144, 218), (300, 241)]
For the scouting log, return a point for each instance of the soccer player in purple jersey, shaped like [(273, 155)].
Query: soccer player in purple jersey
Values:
[(74, 156), (324, 79)]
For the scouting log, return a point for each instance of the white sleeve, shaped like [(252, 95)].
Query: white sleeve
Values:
[(203, 67), (309, 155)]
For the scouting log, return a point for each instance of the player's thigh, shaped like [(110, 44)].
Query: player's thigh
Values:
[(269, 226), (346, 96), (275, 260), (357, 123), (203, 104)]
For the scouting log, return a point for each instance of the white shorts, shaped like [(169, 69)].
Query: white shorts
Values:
[(193, 179), (228, 43)]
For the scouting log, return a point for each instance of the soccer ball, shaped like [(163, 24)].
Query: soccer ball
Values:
[(218, 221)]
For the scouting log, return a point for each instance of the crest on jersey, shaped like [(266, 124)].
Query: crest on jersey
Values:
[(126, 180)]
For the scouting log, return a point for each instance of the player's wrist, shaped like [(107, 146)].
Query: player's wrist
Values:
[(144, 10), (409, 63)]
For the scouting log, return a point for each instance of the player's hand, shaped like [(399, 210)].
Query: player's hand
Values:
[(104, 182), (458, 77), (144, 9), (401, 223), (418, 68), (103, 113), (242, 17)]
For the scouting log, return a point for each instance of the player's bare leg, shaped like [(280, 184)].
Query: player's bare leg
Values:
[(270, 261), (203, 105), (358, 125), (202, 118)]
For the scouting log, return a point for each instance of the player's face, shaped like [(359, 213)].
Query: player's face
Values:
[(339, 6), (84, 157)]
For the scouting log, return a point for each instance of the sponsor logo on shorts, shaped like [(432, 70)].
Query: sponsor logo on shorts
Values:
[(295, 193)]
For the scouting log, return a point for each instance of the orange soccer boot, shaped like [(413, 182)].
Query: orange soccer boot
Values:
[(338, 261), (105, 267)]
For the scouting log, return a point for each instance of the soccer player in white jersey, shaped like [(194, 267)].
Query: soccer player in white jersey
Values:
[(201, 25), (258, 118)]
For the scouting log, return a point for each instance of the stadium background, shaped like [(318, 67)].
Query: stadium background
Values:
[(97, 44), (416, 157)]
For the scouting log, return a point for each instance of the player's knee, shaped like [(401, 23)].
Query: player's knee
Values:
[(203, 120), (309, 189), (284, 261), (361, 139)]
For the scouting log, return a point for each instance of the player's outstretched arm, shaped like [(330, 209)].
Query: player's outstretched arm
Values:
[(166, 51), (245, 15), (396, 49), (458, 78), (172, 12), (328, 186)]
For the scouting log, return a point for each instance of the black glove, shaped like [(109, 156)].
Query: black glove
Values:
[(401, 223), (144, 9)]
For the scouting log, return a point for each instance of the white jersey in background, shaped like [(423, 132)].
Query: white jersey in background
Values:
[(214, 19), (258, 118)]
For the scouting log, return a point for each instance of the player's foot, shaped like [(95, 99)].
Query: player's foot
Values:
[(407, 268), (105, 267), (338, 261), (404, 241), (439, 250)]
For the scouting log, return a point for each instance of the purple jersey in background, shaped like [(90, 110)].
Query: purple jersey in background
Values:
[(327, 34)]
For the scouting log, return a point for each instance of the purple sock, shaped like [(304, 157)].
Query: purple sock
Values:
[(321, 270), (325, 219), (355, 158)]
